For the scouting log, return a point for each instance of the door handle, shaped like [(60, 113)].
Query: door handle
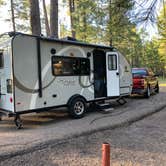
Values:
[(117, 73)]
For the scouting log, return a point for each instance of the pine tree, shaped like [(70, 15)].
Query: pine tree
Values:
[(35, 17), (54, 18), (12, 15), (46, 19), (71, 11)]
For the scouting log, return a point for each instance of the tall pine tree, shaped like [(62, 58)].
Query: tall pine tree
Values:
[(35, 17)]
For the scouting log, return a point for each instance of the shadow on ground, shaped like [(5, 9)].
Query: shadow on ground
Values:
[(35, 120)]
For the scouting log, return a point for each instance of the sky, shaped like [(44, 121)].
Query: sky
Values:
[(150, 28), (6, 26)]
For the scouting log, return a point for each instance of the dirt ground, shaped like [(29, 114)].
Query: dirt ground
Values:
[(141, 144)]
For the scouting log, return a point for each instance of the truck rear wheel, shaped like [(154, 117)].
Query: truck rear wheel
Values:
[(77, 108), (147, 93), (157, 88)]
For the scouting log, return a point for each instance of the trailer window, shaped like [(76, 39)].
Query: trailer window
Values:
[(112, 62), (1, 60), (68, 66), (84, 66)]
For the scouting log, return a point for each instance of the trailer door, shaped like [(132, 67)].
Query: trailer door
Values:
[(112, 62)]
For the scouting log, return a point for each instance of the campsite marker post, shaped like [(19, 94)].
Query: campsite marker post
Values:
[(105, 154)]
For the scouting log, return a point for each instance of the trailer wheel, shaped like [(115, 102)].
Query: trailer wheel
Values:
[(18, 122), (77, 107)]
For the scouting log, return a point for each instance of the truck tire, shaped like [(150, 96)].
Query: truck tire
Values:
[(157, 88), (77, 107), (147, 93)]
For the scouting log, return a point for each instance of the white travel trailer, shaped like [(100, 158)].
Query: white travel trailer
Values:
[(38, 73)]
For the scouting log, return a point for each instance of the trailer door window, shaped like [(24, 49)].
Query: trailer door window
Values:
[(1, 60), (112, 62), (68, 66)]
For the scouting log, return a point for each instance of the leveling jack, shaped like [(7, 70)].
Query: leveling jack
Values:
[(18, 121)]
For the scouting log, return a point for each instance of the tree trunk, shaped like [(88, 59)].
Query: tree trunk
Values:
[(35, 17), (46, 19), (54, 18), (13, 16), (109, 26), (72, 10), (84, 25)]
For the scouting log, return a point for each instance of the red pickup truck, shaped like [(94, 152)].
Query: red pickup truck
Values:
[(144, 82)]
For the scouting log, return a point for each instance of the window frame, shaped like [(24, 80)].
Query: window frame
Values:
[(116, 60), (66, 57), (2, 58)]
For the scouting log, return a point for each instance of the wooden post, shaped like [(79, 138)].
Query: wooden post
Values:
[(105, 154)]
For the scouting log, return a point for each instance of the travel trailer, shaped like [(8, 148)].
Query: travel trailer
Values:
[(39, 73)]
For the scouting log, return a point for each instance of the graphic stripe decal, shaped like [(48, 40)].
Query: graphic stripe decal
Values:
[(22, 87)]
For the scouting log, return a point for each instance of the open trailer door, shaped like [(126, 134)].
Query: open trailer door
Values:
[(113, 83)]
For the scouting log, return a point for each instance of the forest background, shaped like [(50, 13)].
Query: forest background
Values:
[(128, 25)]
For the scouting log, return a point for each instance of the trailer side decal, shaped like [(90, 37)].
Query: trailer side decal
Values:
[(48, 66)]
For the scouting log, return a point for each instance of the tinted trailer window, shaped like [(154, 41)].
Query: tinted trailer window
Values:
[(1, 60), (69, 66)]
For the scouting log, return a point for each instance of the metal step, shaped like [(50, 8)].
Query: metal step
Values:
[(104, 106)]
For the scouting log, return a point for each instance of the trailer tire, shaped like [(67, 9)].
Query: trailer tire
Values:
[(77, 107)]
